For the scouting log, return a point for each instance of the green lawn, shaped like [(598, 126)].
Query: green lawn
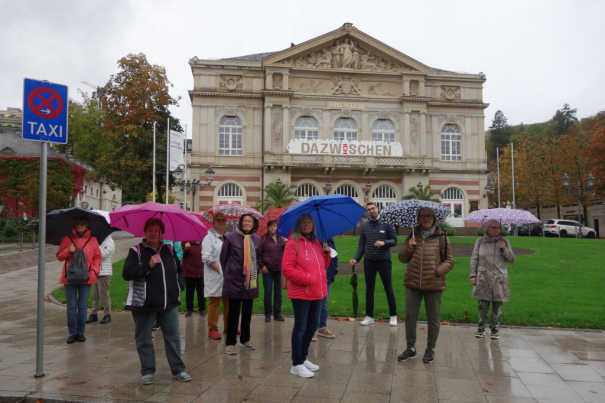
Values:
[(561, 285)]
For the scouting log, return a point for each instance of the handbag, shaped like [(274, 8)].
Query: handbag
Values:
[(77, 272)]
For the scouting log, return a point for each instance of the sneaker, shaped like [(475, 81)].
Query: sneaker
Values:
[(267, 318), (324, 332), (147, 379), (214, 335), (80, 337), (310, 366), (279, 318), (408, 354), (247, 345), (202, 313), (479, 334), (494, 335), (183, 376), (188, 314), (429, 356), (156, 327), (393, 321), (230, 350), (302, 371), (367, 321), (314, 337)]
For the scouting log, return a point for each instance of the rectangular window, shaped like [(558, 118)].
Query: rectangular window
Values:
[(341, 136), (386, 137), (230, 141), (451, 147)]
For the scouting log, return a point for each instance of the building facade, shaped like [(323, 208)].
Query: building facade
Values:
[(341, 113)]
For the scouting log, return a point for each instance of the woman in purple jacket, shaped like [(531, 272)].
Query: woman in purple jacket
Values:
[(241, 257), (273, 252)]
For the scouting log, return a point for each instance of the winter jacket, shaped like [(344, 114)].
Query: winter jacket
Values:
[(153, 288), (108, 248), (211, 253), (176, 246), (273, 252), (193, 266), (305, 269), (232, 263), (332, 269), (488, 264), (426, 267), (91, 251), (372, 231)]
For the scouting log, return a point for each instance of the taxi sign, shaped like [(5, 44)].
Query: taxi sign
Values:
[(44, 111)]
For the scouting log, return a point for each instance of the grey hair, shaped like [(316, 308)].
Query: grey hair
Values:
[(296, 233), (487, 223)]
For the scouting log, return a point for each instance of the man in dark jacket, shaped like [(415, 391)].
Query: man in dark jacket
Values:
[(193, 267), (375, 242)]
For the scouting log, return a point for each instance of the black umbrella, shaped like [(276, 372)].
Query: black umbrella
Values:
[(60, 223), (355, 297)]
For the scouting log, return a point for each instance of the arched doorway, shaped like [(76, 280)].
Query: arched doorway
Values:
[(306, 190), (454, 199), (383, 196), (230, 193)]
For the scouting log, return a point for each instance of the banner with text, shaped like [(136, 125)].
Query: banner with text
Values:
[(177, 147), (333, 147)]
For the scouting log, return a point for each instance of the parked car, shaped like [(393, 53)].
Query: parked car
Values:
[(535, 229), (567, 228)]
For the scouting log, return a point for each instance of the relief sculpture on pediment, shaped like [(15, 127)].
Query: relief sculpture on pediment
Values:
[(231, 83), (311, 86), (450, 93), (376, 89), (346, 85)]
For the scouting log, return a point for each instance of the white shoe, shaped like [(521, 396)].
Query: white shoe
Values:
[(367, 321), (310, 366), (302, 371), (393, 321)]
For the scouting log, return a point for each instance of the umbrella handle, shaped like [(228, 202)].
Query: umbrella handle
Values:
[(353, 269)]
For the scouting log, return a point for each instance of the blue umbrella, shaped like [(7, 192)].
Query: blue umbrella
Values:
[(333, 215)]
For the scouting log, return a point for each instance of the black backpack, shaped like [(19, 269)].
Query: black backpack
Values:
[(77, 272)]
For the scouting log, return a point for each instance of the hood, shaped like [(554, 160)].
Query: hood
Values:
[(254, 228)]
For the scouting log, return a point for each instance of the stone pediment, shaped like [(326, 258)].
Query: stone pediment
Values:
[(346, 49)]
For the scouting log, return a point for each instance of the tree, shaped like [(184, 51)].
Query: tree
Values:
[(171, 198), (499, 134), (423, 193), (563, 120), (276, 195), (595, 150)]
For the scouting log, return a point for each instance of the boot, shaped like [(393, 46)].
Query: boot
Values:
[(92, 318), (106, 319)]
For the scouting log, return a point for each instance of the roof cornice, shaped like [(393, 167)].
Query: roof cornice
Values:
[(459, 104), (193, 93)]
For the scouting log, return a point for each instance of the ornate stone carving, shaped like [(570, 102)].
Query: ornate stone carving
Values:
[(346, 85), (277, 128), (346, 113), (384, 115), (414, 88), (346, 54), (231, 83), (230, 111), (376, 89), (277, 81), (414, 132), (305, 112), (450, 93), (452, 120), (311, 86)]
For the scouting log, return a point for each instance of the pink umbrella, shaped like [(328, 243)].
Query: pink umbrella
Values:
[(199, 217), (180, 226), (233, 211), (504, 215)]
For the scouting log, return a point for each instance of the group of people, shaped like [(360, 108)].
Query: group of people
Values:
[(226, 266)]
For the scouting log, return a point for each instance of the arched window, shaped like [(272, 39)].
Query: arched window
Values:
[(306, 190), (451, 143), (453, 198), (345, 129), (383, 196), (347, 190), (230, 193), (383, 130), (306, 128), (230, 136)]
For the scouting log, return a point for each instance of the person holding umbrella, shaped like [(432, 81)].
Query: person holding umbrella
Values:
[(77, 294), (304, 266), (489, 275), (273, 252), (429, 257)]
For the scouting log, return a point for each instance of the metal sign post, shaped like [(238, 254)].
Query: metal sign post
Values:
[(45, 120)]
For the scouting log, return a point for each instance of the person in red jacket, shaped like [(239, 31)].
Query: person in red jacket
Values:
[(193, 268), (304, 266), (77, 294)]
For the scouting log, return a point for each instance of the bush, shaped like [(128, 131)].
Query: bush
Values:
[(449, 230), (503, 231)]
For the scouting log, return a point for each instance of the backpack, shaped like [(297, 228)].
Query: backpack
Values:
[(77, 272)]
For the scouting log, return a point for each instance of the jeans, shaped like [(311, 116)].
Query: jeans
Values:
[(233, 318), (323, 320), (271, 282), (77, 301), (306, 322), (432, 306), (383, 268), (169, 322), (193, 284)]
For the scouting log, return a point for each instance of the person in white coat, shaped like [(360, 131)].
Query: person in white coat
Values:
[(100, 290), (213, 275)]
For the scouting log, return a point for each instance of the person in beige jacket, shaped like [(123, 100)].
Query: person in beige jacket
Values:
[(489, 276), (429, 257)]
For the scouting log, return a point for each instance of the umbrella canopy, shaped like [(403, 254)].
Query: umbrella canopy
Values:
[(198, 216), (60, 223), (333, 215), (233, 212), (180, 226), (405, 213), (504, 215), (272, 214), (355, 297)]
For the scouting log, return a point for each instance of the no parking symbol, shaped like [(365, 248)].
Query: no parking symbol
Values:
[(44, 111), (45, 102)]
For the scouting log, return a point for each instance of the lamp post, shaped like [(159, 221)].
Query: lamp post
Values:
[(279, 182), (489, 192), (192, 186), (579, 191), (328, 187), (368, 188)]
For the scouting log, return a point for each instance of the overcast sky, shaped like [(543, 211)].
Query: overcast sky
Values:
[(537, 55)]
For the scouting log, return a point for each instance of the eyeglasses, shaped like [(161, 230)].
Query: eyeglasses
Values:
[(425, 216), (221, 220)]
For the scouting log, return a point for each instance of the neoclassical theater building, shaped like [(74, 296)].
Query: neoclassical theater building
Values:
[(340, 113)]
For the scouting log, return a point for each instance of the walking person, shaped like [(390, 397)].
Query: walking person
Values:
[(489, 276), (304, 266), (155, 279), (213, 274), (273, 252), (331, 272), (76, 295), (429, 257), (193, 269), (100, 289), (241, 257), (375, 242)]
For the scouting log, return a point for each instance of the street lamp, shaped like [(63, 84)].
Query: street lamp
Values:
[(579, 191), (368, 187), (192, 186), (328, 187), (279, 182), (489, 191), (419, 185)]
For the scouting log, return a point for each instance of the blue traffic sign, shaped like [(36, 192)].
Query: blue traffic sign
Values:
[(44, 111)]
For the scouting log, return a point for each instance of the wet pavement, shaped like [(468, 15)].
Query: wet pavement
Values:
[(359, 365)]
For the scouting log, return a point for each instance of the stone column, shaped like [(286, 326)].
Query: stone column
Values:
[(406, 87), (286, 129), (267, 123), (421, 88), (406, 132), (423, 133), (269, 80), (285, 81)]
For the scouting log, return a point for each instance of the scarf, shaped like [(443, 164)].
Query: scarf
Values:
[(250, 274), (425, 234)]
